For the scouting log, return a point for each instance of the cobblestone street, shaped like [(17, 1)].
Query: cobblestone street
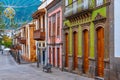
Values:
[(10, 70)]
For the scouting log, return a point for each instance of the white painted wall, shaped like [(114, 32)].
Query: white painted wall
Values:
[(44, 4), (117, 28), (29, 41)]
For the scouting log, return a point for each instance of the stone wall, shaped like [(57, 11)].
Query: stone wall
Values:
[(115, 69)]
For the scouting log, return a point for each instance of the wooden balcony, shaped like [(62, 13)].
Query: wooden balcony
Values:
[(22, 40), (38, 13), (38, 35), (52, 40), (18, 47)]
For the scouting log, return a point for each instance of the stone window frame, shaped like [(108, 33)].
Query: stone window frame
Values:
[(66, 31), (74, 29), (86, 26), (98, 25)]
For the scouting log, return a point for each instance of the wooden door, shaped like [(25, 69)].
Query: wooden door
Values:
[(100, 52), (75, 39), (50, 55), (58, 55), (54, 57), (85, 48), (66, 50)]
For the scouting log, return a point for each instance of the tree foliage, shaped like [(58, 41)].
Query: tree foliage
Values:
[(2, 24), (7, 41)]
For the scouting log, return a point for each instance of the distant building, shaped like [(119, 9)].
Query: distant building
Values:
[(25, 43)]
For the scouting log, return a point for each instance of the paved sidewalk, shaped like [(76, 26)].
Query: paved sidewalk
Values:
[(60, 74), (10, 70)]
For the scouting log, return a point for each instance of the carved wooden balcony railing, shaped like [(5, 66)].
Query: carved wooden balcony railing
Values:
[(18, 47), (39, 35), (22, 40), (52, 40)]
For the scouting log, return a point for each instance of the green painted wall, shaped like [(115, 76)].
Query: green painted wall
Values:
[(102, 11), (92, 3), (80, 41), (92, 36), (70, 39), (67, 22), (69, 1)]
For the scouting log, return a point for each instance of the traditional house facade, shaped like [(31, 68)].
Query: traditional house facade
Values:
[(54, 22), (30, 43), (40, 32), (86, 37), (22, 41), (15, 36), (24, 38)]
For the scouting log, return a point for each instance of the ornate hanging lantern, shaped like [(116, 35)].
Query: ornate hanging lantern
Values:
[(9, 12)]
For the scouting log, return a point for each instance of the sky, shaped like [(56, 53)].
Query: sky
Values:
[(23, 10)]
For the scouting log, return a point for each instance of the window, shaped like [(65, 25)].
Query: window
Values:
[(58, 24), (58, 57), (54, 25), (66, 2), (39, 44), (43, 44), (43, 23), (74, 6), (39, 23), (99, 2), (85, 4), (49, 26), (50, 55)]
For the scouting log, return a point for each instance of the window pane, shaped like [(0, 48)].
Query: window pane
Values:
[(53, 25), (58, 23), (66, 2), (50, 26), (85, 4), (74, 6), (99, 2)]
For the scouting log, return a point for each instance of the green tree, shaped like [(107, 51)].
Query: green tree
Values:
[(2, 24), (7, 41)]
